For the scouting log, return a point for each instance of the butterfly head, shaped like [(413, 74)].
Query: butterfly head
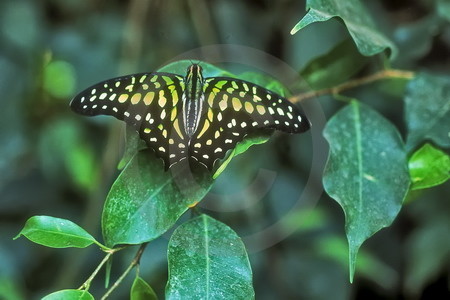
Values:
[(194, 71)]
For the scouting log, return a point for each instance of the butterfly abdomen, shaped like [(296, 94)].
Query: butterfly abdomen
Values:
[(193, 99)]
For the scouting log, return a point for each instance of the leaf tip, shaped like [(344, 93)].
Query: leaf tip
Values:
[(353, 252), (17, 236)]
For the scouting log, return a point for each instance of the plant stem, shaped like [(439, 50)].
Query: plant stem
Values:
[(88, 281), (383, 74), (133, 263)]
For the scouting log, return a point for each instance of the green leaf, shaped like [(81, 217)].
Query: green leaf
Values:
[(264, 81), (56, 233), (250, 140), (181, 67), (427, 110), (69, 295), (134, 144), (415, 39), (358, 21), (59, 79), (207, 260), (366, 172), (145, 200), (10, 289), (62, 144), (427, 255), (334, 67), (428, 167), (368, 265), (140, 290), (443, 8)]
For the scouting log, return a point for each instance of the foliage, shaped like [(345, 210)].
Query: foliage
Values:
[(377, 71)]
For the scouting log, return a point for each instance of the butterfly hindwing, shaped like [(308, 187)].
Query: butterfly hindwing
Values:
[(150, 102), (233, 109), (191, 117)]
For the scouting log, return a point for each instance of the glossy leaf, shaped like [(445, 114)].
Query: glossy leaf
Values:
[(56, 233), (140, 290), (133, 145), (366, 172), (427, 110), (207, 260), (368, 38), (69, 295), (145, 201), (428, 167), (334, 67)]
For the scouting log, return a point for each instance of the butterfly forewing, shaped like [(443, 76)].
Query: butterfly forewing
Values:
[(191, 117), (235, 108), (150, 102)]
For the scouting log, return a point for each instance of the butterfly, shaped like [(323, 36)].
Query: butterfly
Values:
[(191, 117)]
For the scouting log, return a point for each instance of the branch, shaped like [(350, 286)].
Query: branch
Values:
[(384, 74), (87, 283), (133, 263)]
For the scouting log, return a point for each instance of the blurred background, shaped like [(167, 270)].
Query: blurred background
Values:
[(53, 162)]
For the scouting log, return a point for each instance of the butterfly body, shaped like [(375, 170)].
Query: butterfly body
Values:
[(191, 117)]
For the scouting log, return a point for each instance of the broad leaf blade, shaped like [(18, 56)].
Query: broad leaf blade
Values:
[(368, 38), (145, 200), (428, 167), (69, 295), (207, 260), (366, 172), (140, 290), (56, 233), (427, 110)]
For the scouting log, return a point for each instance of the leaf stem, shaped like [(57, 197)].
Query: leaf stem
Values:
[(88, 281), (380, 75), (134, 263)]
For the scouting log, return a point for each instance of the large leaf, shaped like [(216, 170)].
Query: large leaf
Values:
[(69, 295), (56, 233), (428, 167), (359, 23), (207, 260), (427, 110), (366, 172), (145, 200), (334, 67)]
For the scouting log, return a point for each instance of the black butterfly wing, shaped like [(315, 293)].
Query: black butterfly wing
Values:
[(150, 102), (235, 108)]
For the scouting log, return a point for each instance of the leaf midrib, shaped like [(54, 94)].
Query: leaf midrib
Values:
[(358, 145)]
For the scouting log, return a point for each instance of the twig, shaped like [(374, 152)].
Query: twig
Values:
[(390, 73), (133, 263), (88, 281)]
